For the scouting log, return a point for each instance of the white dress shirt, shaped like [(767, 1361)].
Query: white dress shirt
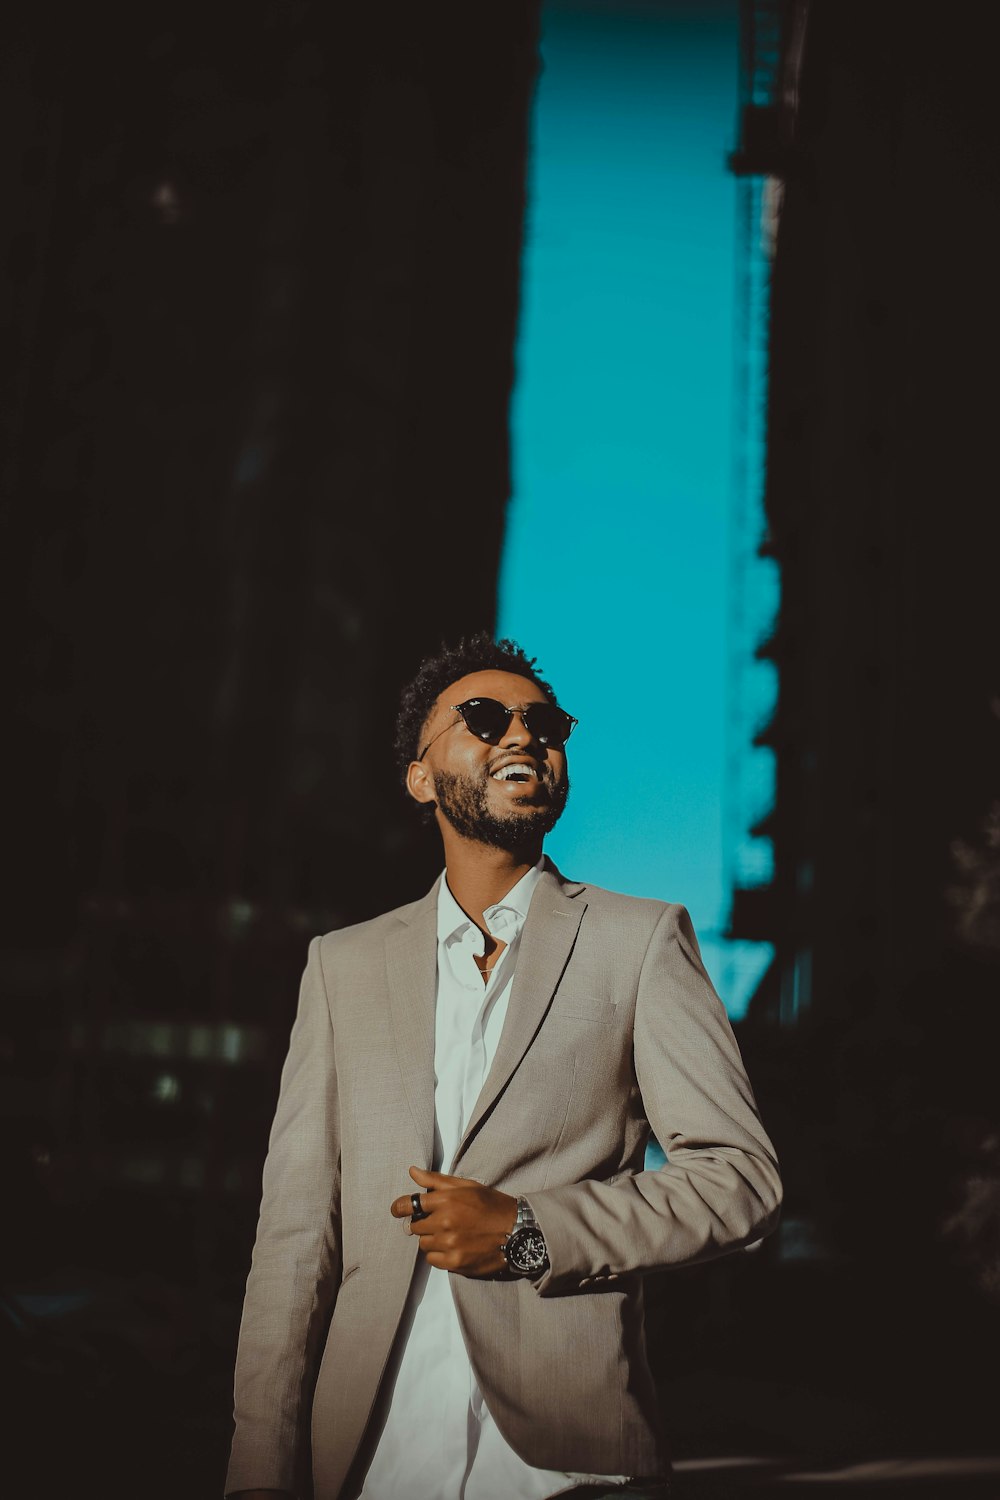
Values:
[(439, 1440)]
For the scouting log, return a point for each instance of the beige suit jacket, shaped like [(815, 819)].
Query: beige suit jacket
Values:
[(612, 1027)]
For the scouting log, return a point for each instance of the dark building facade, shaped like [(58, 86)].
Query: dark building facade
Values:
[(877, 1025), (263, 275), (880, 497)]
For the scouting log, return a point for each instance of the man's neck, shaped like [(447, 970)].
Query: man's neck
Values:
[(479, 877)]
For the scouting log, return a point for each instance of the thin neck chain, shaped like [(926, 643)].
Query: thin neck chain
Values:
[(487, 965)]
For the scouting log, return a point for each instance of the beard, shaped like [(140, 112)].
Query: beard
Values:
[(463, 801)]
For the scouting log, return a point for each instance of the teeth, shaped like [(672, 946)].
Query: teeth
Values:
[(517, 769)]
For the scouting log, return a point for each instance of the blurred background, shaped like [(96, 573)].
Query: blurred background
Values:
[(660, 335)]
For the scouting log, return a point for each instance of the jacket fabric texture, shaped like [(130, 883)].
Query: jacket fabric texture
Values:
[(613, 1028)]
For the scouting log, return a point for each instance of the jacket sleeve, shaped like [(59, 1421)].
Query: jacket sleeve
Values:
[(719, 1189), (296, 1259)]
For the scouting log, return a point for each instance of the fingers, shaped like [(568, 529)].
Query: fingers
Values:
[(441, 1180), (420, 1227), (402, 1207)]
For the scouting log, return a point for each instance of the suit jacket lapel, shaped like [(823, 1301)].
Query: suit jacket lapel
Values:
[(546, 943), (411, 962)]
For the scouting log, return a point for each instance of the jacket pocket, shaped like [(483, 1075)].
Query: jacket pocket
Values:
[(586, 1008)]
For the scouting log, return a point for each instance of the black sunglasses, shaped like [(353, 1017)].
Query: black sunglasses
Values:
[(488, 719)]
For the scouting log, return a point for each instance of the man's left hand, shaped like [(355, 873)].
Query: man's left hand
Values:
[(464, 1224)]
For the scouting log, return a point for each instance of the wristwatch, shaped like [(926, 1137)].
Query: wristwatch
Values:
[(524, 1248)]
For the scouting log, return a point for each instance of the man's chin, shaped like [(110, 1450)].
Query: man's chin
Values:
[(523, 826), (516, 825), (514, 831)]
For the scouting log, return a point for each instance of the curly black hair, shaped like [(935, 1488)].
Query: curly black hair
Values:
[(475, 653)]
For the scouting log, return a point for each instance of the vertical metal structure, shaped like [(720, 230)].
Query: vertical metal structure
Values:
[(752, 582), (770, 47)]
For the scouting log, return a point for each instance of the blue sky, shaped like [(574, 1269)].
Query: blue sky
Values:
[(615, 562)]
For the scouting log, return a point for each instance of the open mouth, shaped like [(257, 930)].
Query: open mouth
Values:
[(517, 771)]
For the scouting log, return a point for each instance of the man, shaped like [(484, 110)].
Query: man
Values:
[(507, 1041)]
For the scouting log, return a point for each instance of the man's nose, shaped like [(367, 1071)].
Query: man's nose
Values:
[(518, 732)]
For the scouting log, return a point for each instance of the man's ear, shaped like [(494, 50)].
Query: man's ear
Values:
[(419, 782)]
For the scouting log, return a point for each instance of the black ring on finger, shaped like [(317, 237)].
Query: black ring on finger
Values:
[(418, 1211)]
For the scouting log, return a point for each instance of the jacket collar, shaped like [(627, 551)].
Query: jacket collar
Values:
[(547, 941)]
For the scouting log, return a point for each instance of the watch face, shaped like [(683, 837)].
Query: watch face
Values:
[(526, 1251)]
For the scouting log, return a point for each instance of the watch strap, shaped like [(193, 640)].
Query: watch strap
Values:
[(525, 1216)]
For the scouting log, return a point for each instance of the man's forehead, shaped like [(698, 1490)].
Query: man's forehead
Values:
[(511, 689)]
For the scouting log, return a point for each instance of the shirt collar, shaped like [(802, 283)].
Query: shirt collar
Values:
[(452, 920)]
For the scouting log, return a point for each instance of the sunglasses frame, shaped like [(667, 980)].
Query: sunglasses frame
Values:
[(510, 710)]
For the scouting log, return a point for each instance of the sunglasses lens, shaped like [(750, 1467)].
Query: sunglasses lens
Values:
[(485, 718), (549, 724)]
